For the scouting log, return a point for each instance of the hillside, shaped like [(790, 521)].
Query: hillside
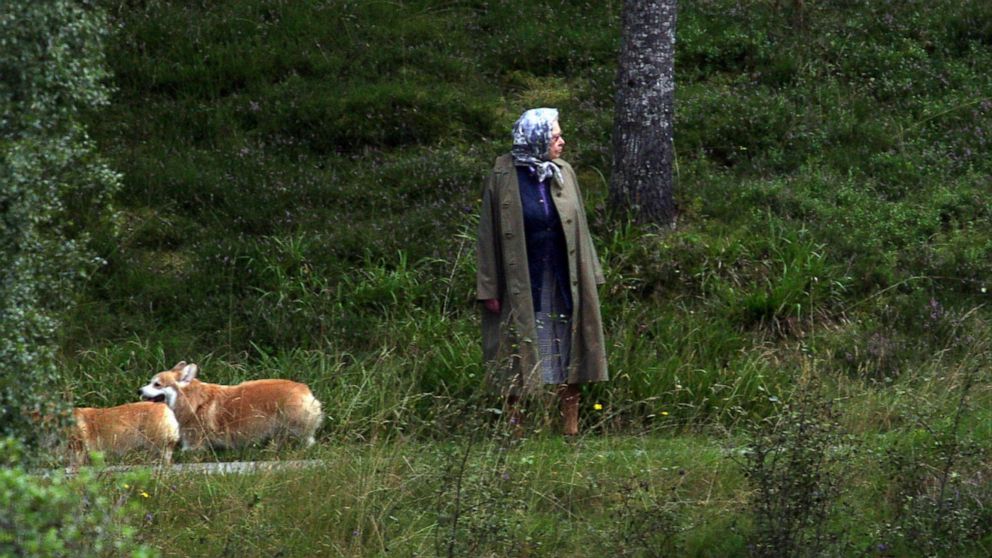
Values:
[(306, 177)]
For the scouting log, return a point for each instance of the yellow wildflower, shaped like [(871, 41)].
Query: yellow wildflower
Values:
[(598, 406)]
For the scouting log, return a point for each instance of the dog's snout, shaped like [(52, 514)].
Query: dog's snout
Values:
[(139, 391)]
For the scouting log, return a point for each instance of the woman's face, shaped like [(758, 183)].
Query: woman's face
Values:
[(557, 144)]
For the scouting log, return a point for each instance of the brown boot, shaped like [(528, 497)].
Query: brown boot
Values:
[(569, 394)]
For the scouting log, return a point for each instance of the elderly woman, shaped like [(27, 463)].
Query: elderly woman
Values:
[(538, 272)]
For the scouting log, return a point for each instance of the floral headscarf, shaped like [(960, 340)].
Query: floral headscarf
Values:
[(531, 138)]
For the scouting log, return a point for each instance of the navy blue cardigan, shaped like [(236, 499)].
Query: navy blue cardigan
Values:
[(544, 236)]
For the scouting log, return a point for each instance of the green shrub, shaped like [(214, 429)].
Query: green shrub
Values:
[(79, 516), (55, 192), (794, 462)]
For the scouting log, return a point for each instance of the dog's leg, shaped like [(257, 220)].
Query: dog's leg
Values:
[(167, 456), (77, 458), (187, 444)]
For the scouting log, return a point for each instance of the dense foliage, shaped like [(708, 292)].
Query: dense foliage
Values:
[(55, 191), (71, 517)]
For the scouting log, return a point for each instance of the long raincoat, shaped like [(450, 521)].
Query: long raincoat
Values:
[(509, 339)]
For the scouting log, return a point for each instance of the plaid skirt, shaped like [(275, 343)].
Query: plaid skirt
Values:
[(554, 331)]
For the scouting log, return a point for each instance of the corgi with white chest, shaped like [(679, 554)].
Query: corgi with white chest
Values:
[(235, 416), (123, 429)]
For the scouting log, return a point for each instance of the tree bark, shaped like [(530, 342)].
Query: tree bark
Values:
[(643, 125)]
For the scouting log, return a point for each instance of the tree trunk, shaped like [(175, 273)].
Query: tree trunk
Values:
[(641, 184)]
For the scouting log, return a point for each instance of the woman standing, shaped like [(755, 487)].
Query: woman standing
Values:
[(538, 272)]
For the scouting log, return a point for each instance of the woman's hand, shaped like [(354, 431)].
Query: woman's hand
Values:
[(492, 304)]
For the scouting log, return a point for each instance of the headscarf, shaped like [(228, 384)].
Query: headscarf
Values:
[(531, 138)]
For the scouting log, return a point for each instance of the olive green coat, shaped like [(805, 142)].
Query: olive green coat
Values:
[(509, 340)]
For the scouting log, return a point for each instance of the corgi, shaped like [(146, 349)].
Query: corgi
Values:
[(119, 430), (214, 415)]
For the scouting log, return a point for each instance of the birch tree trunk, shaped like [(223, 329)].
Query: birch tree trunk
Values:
[(643, 124)]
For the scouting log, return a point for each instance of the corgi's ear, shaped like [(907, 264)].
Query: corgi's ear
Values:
[(189, 373), (180, 364)]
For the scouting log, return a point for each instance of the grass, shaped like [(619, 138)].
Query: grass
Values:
[(645, 478), (380, 499), (540, 496), (300, 188)]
